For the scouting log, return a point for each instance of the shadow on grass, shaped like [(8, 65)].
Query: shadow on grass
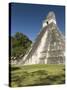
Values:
[(40, 77), (15, 68), (39, 72), (49, 80)]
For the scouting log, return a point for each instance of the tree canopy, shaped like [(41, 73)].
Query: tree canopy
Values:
[(19, 45)]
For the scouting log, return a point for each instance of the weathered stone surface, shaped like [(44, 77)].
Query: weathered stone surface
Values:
[(49, 46)]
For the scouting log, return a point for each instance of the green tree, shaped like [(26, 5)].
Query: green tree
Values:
[(19, 44)]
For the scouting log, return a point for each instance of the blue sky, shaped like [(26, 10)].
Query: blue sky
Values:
[(28, 18)]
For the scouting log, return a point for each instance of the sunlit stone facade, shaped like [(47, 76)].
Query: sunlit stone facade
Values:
[(49, 46)]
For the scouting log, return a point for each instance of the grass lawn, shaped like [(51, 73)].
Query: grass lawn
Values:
[(40, 74)]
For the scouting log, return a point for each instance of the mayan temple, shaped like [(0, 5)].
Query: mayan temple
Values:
[(49, 46)]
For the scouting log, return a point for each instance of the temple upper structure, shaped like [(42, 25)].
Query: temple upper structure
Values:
[(49, 46), (49, 19)]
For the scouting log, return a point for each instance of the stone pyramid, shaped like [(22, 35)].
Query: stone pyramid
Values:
[(49, 46)]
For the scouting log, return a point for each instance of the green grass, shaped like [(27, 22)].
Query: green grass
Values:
[(41, 74)]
